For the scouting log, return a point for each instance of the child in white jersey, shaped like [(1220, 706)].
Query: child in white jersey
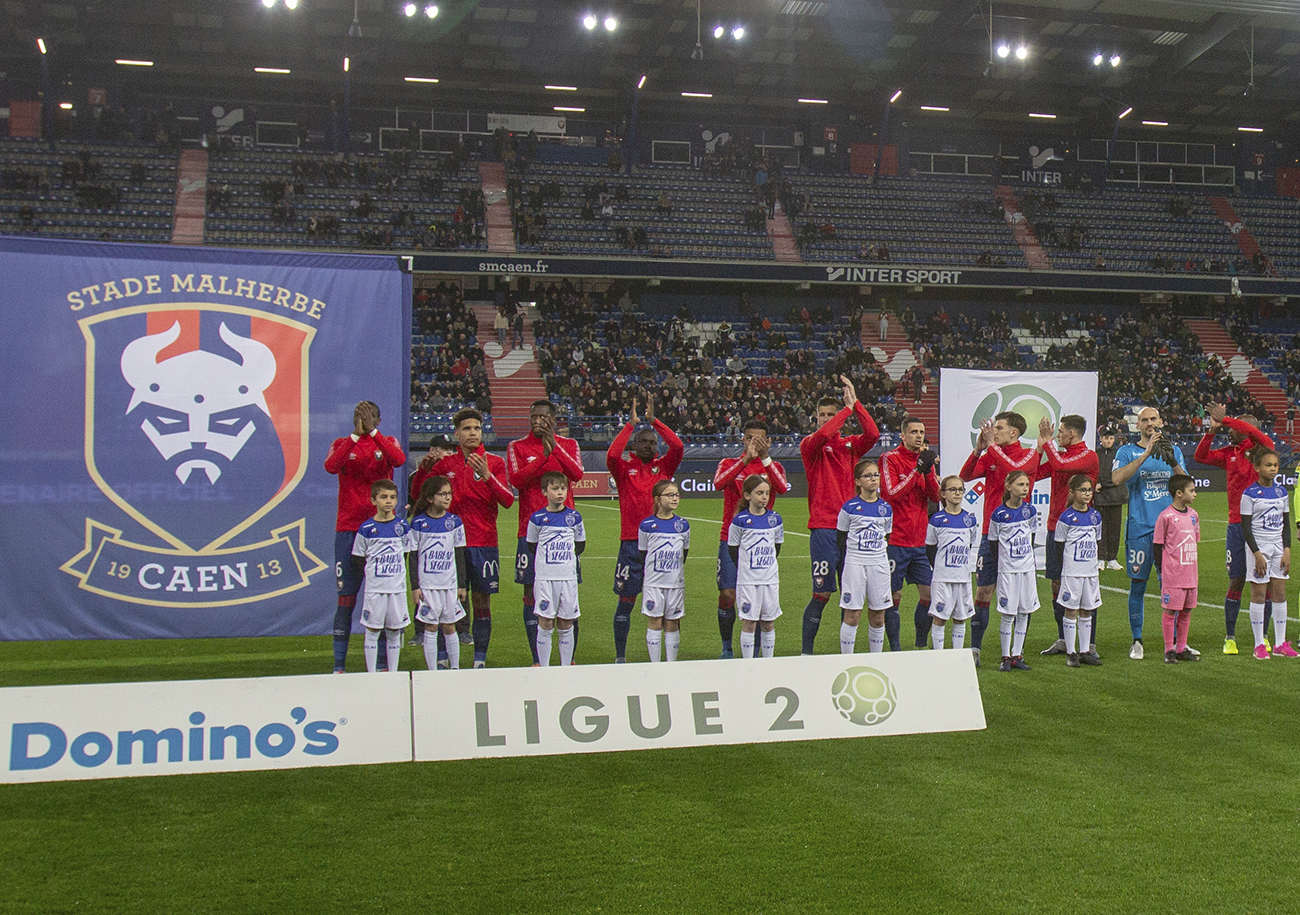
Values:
[(663, 540), (1266, 529), (754, 541), (1177, 531), (862, 532), (379, 552), (1078, 530), (556, 538), (951, 538), (436, 544), (1012, 527)]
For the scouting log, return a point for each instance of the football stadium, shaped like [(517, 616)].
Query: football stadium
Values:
[(881, 413)]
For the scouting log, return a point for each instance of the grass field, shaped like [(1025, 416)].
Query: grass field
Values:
[(1133, 787)]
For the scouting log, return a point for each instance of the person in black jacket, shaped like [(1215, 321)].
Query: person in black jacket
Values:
[(1109, 501)]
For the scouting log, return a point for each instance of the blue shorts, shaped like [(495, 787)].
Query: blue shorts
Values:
[(986, 564), (1137, 559), (1055, 557), (726, 568), (908, 563), (1236, 555), (523, 563), (629, 570), (484, 569), (825, 556), (349, 582)]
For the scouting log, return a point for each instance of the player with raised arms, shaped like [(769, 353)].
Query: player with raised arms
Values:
[(478, 492), (1150, 462), (998, 452), (828, 461), (540, 451), (358, 460), (636, 475), (909, 484), (1244, 437), (862, 537), (729, 479), (951, 538)]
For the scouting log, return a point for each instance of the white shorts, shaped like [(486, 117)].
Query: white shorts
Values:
[(951, 600), (1017, 593), (865, 584), (666, 603), (1080, 593), (1272, 552), (758, 602), (556, 598), (438, 606), (385, 611)]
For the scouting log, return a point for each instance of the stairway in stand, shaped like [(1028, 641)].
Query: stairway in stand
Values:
[(191, 198), (1025, 235), (896, 356), (1214, 339), (1245, 241), (782, 235), (501, 232), (514, 379)]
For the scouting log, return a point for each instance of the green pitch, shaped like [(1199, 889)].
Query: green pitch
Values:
[(1134, 787)]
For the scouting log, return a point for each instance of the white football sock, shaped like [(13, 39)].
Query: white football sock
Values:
[(875, 638), (1006, 625), (1257, 622), (848, 638), (1071, 627), (430, 646), (1279, 622), (653, 639), (672, 640), (370, 648), (1085, 632), (936, 633), (395, 639), (746, 644), (1022, 627), (768, 639), (544, 646), (958, 634), (453, 649), (566, 647)]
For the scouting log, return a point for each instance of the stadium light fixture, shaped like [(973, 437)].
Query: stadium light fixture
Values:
[(1004, 50), (1155, 123), (431, 11), (291, 4), (641, 83), (40, 43), (561, 88), (133, 63), (933, 108), (346, 64), (898, 93), (567, 108), (66, 106), (1126, 112), (813, 101), (268, 3), (1115, 59), (280, 70), (610, 23), (1097, 59), (419, 79), (589, 22), (409, 10), (738, 32), (718, 31), (697, 95), (1046, 117), (1022, 52), (1251, 129)]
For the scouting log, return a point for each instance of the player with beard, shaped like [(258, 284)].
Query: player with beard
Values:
[(635, 475), (828, 461), (909, 484), (358, 460), (527, 458)]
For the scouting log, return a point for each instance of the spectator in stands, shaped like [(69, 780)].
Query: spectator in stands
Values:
[(664, 205)]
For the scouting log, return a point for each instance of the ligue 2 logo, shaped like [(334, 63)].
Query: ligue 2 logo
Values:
[(864, 696), (1030, 401), (196, 428)]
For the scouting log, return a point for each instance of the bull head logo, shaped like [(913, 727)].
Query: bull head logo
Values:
[(198, 406)]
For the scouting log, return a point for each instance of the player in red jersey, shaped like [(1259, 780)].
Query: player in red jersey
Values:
[(729, 479), (1068, 455), (478, 491), (828, 460), (358, 460), (1235, 460), (997, 453), (527, 458), (635, 475), (909, 484)]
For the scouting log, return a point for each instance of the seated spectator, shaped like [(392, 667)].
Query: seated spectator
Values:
[(664, 206)]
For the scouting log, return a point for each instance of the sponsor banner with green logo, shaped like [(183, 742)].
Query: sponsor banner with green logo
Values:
[(599, 708), (967, 397)]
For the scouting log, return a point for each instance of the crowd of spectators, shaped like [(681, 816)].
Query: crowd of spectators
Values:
[(450, 371)]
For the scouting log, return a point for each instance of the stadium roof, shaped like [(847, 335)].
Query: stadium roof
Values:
[(1187, 62)]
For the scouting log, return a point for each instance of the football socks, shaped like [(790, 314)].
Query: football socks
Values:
[(812, 620), (848, 638)]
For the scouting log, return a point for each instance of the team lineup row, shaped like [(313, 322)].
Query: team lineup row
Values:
[(872, 526)]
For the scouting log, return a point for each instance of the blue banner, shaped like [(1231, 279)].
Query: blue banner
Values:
[(161, 474)]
